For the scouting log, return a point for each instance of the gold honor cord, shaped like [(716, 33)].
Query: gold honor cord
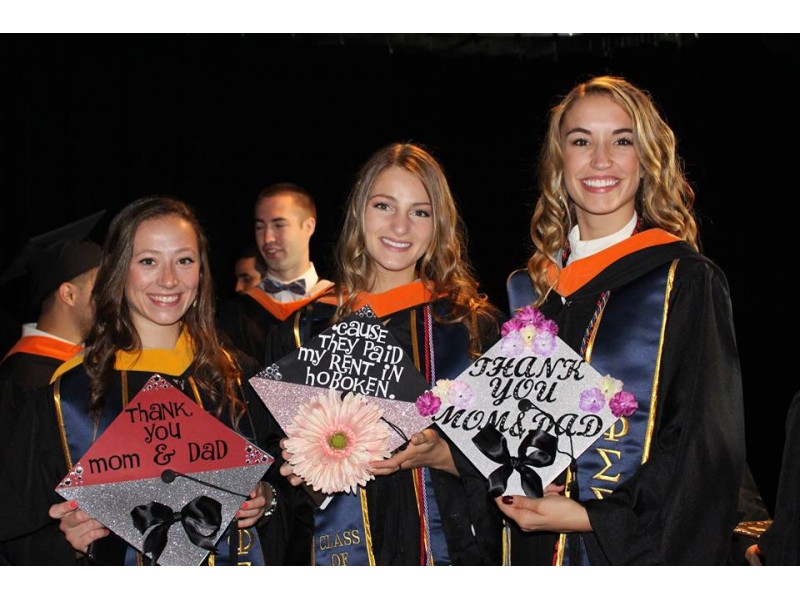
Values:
[(367, 529), (197, 398), (413, 326), (506, 540), (61, 429), (562, 537), (296, 328), (590, 346)]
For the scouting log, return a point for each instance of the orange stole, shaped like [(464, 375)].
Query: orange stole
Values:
[(579, 273), (45, 346), (282, 310)]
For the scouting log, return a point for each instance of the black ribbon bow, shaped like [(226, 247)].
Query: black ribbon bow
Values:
[(296, 287), (537, 449), (201, 519)]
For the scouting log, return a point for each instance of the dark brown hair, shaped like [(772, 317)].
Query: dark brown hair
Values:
[(212, 368)]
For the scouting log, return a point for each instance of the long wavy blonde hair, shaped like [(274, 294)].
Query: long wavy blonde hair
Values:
[(444, 268), (664, 199)]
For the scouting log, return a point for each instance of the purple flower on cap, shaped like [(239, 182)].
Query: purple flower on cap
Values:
[(592, 400), (428, 404), (623, 404)]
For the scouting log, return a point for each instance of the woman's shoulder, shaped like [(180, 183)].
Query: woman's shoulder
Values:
[(699, 269), (70, 367), (486, 321)]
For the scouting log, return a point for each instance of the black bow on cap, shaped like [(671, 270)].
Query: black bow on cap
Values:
[(296, 287), (542, 447), (201, 519)]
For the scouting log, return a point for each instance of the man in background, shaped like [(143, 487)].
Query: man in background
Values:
[(285, 219), (249, 269), (61, 268)]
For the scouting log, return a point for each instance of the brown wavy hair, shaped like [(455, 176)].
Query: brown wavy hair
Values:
[(665, 198), (444, 268), (213, 369)]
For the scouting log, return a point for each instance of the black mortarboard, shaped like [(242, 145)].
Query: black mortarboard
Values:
[(57, 256)]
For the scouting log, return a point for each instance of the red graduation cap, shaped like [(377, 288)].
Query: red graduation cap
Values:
[(166, 476)]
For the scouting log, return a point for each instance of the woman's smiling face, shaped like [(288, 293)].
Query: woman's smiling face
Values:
[(163, 278), (601, 165), (398, 227)]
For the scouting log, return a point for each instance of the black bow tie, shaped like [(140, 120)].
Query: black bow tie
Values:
[(296, 287)]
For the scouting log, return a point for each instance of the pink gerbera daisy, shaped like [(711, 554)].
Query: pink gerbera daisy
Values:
[(332, 441)]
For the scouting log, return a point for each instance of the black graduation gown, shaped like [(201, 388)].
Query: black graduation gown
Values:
[(29, 371), (34, 463), (679, 507), (471, 521), (31, 465), (780, 544), (250, 322), (20, 373)]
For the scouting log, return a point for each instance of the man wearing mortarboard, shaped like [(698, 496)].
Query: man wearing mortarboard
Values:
[(61, 267)]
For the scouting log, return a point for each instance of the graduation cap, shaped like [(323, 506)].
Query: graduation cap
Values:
[(166, 476), (57, 256), (358, 355), (529, 406)]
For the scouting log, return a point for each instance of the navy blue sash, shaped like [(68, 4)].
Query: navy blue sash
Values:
[(245, 551), (627, 346), (79, 430), (436, 535), (341, 532), (342, 536)]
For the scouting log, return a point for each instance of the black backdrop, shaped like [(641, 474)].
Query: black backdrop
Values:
[(95, 121)]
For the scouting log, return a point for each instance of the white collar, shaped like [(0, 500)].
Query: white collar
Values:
[(30, 329), (310, 277), (581, 249)]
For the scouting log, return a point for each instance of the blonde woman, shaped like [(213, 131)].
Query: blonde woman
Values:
[(616, 265), (402, 252)]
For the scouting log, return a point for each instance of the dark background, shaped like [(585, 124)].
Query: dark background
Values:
[(95, 121)]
